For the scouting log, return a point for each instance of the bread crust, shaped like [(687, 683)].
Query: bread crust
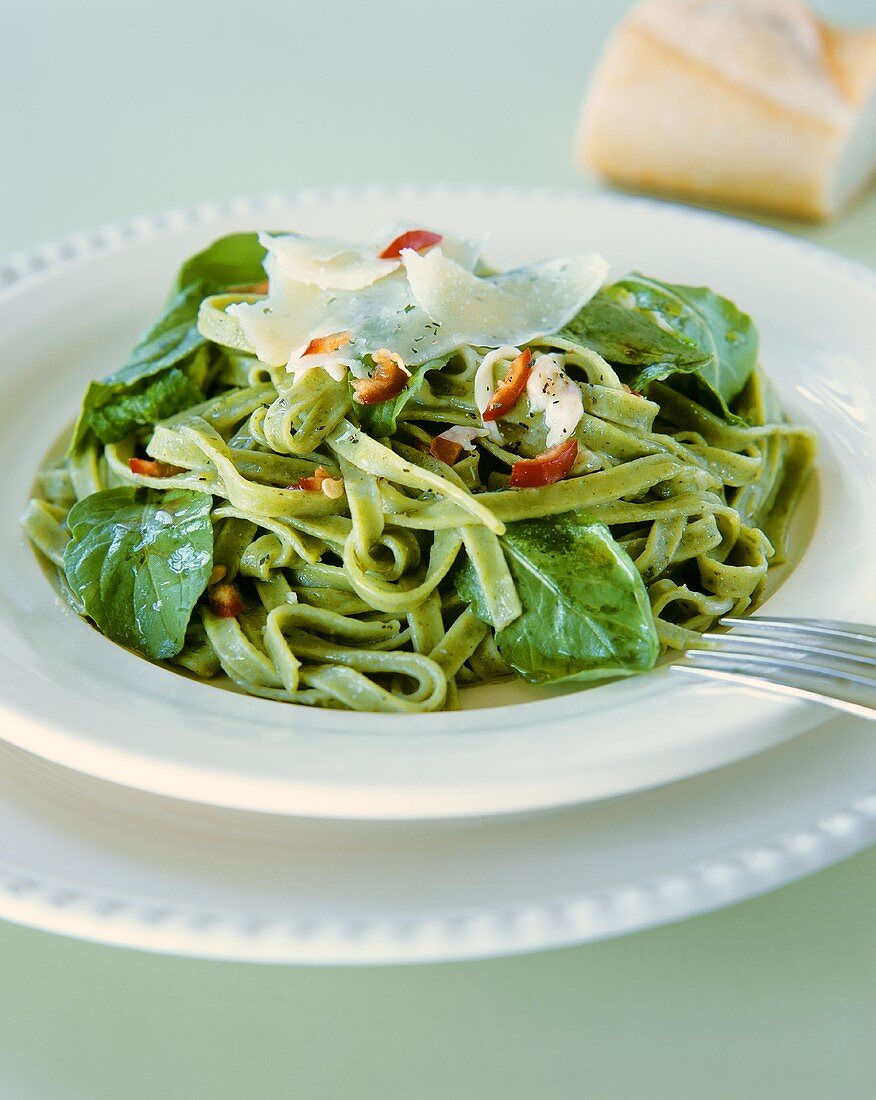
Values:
[(659, 119)]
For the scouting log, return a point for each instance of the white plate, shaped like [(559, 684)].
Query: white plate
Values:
[(70, 313), (88, 859)]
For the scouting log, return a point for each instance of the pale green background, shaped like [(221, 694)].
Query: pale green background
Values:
[(112, 109)]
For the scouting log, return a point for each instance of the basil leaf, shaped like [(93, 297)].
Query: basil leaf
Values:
[(167, 394), (173, 340), (690, 334), (586, 613), (139, 559), (235, 260)]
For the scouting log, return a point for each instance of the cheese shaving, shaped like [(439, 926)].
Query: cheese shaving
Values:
[(552, 392), (420, 308)]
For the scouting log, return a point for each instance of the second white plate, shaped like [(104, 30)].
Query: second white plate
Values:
[(87, 859)]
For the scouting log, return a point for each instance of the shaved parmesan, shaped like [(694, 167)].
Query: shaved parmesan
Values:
[(552, 392), (511, 308), (325, 262), (422, 308), (463, 435)]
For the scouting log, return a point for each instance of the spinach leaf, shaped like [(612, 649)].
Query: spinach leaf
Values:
[(667, 330), (139, 559), (380, 420), (162, 397), (586, 614), (235, 260), (173, 340)]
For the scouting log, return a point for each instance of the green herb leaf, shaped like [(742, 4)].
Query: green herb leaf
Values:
[(173, 340), (667, 330), (235, 260), (586, 613), (166, 395), (139, 559)]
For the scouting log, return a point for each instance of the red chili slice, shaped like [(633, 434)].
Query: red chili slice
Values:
[(509, 390), (323, 345), (150, 467), (388, 380), (546, 468), (225, 601), (417, 239), (445, 450)]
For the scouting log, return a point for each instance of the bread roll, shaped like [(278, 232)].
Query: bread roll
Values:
[(743, 102)]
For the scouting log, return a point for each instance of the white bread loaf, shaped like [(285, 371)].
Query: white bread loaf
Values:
[(743, 102)]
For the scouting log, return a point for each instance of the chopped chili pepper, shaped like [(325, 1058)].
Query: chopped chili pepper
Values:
[(417, 239), (389, 379), (150, 467), (509, 390), (323, 345), (445, 450), (225, 601), (546, 468)]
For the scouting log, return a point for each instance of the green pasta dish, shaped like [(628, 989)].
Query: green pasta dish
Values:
[(364, 476)]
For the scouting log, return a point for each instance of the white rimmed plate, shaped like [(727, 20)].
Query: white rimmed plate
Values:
[(70, 313), (92, 860)]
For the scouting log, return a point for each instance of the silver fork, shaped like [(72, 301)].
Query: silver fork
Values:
[(819, 659)]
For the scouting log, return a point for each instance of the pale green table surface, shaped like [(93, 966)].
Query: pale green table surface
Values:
[(110, 109)]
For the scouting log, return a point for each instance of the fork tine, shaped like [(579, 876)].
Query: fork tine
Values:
[(839, 685), (830, 628), (827, 661), (779, 667), (839, 702), (766, 644)]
